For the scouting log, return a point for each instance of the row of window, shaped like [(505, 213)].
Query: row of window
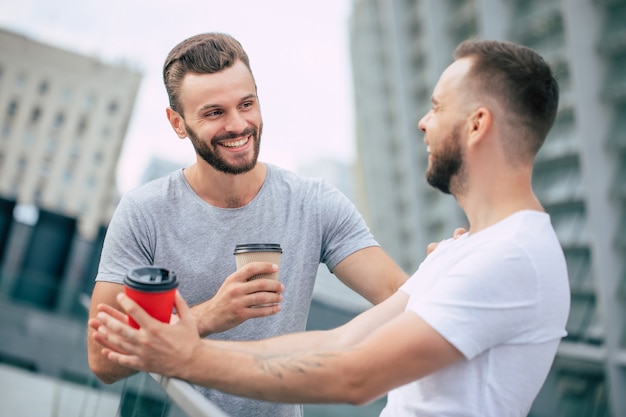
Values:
[(45, 167), (36, 115), (65, 95)]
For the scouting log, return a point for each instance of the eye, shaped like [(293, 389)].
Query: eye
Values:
[(213, 113)]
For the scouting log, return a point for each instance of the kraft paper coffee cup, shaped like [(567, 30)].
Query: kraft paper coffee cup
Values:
[(258, 252), (154, 289)]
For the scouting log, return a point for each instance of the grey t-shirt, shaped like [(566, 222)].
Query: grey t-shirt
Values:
[(165, 223)]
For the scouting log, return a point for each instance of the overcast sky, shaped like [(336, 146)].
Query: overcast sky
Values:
[(298, 52)]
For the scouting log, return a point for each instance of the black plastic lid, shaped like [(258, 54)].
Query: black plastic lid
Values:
[(257, 247), (151, 278)]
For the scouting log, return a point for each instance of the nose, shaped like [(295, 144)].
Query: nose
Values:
[(235, 122), (422, 123)]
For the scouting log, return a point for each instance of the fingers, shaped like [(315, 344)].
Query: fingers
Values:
[(118, 315), (458, 232), (233, 302), (112, 333), (248, 271), (125, 360), (182, 308), (264, 285), (431, 247), (135, 311)]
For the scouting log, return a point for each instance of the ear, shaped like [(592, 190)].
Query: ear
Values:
[(478, 125), (177, 122)]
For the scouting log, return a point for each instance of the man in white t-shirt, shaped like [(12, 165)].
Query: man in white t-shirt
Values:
[(474, 331)]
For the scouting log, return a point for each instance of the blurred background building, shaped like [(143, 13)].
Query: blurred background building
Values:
[(399, 48), (63, 120)]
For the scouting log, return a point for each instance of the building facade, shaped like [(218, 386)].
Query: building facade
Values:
[(399, 48), (63, 119)]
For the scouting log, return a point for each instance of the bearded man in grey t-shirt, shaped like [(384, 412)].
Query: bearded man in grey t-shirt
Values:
[(191, 220)]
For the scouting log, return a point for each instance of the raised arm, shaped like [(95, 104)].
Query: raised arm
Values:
[(371, 273)]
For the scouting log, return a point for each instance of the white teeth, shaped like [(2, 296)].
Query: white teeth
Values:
[(235, 143)]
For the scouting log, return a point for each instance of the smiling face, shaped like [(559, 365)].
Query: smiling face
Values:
[(221, 117), (443, 131), (445, 162)]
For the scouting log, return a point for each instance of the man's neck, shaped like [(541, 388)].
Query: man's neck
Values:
[(498, 200), (225, 190)]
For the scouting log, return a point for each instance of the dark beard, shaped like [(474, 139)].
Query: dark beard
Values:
[(215, 160), (446, 164)]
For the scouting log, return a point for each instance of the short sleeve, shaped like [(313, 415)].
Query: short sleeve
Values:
[(344, 230), (127, 243), (487, 298)]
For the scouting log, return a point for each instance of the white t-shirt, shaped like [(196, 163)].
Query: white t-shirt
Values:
[(501, 297)]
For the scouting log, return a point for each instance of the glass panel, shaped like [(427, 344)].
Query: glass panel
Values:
[(615, 80), (618, 188), (559, 187), (579, 270), (617, 133), (571, 228), (582, 395), (54, 397), (581, 315)]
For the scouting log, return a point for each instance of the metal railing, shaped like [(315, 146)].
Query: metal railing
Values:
[(187, 398)]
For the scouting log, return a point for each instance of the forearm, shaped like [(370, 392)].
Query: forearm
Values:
[(285, 344), (205, 319), (345, 336), (106, 370), (302, 377)]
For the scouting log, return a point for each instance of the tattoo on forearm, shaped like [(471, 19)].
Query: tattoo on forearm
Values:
[(300, 363)]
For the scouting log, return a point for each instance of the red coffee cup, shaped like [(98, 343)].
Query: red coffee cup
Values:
[(154, 289)]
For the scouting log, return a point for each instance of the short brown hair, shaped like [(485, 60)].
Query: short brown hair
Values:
[(206, 53), (521, 82)]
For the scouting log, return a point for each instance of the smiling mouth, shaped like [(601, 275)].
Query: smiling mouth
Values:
[(236, 143)]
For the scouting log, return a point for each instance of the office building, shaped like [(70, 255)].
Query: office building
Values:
[(399, 48), (63, 119)]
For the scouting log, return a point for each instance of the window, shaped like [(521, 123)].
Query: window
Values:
[(106, 133), (59, 120), (91, 182), (34, 116), (29, 136), (68, 176), (20, 81), (66, 95), (43, 87), (113, 107), (82, 126), (90, 102), (12, 109), (51, 146)]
